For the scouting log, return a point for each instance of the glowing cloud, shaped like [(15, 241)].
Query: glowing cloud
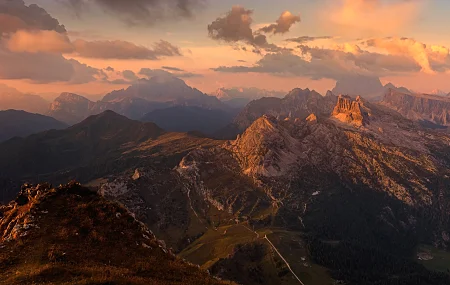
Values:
[(39, 41), (371, 17), (429, 58)]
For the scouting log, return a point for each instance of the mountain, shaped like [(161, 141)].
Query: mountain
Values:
[(71, 235), (103, 144), (359, 85), (354, 193), (11, 98), (189, 118), (239, 97), (72, 108), (141, 98), (298, 103), (164, 89), (21, 124), (432, 110), (399, 89)]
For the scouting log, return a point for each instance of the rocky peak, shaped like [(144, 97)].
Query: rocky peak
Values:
[(266, 148), (350, 111)]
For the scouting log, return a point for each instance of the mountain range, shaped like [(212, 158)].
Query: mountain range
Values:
[(11, 98), (329, 188), (163, 99), (239, 97)]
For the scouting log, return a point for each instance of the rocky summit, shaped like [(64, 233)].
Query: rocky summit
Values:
[(350, 111)]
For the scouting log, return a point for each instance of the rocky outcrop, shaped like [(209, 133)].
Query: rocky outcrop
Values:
[(265, 148), (420, 107), (350, 111)]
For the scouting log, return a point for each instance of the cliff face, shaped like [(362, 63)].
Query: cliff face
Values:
[(350, 111), (420, 107)]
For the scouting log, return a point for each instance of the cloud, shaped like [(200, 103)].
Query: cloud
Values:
[(141, 12), (148, 72), (430, 58), (307, 39), (371, 17), (15, 15), (44, 68), (317, 63), (129, 75), (39, 41), (36, 41), (123, 50), (235, 27), (172, 68), (282, 25)]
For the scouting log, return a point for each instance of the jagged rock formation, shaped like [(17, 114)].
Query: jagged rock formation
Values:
[(265, 148), (297, 104), (350, 111), (420, 107), (71, 235)]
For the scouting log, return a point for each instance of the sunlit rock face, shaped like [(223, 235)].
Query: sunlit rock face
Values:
[(350, 111), (420, 107)]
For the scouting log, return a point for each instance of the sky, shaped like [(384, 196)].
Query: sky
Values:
[(95, 46)]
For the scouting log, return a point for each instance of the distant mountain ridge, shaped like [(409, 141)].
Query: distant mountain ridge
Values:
[(239, 97), (15, 123), (141, 98), (11, 98), (420, 107)]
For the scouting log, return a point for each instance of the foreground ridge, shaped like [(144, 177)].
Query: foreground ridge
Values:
[(71, 235)]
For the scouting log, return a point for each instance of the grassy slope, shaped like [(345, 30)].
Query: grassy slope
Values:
[(81, 238)]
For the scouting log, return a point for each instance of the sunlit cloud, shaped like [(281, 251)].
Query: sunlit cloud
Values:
[(370, 17)]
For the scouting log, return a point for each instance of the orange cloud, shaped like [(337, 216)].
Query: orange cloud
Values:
[(427, 57), (371, 17), (39, 41)]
